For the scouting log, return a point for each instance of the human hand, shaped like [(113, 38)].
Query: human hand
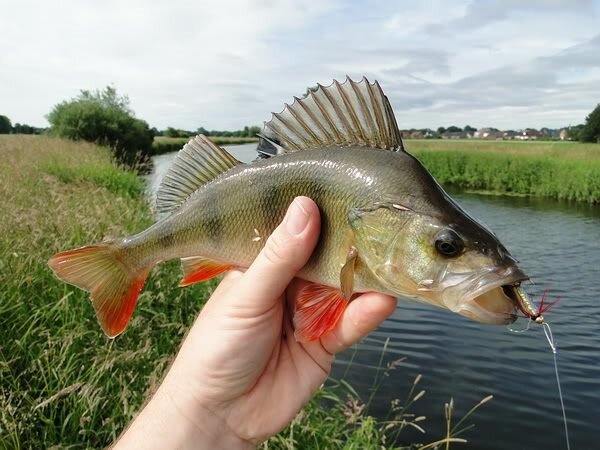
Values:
[(240, 376)]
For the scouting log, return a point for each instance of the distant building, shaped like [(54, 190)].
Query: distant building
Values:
[(563, 134), (483, 133), (528, 134), (429, 134), (455, 135)]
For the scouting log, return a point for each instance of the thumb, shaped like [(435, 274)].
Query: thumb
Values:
[(286, 251)]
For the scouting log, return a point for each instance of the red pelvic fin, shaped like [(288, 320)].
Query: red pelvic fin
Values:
[(197, 268), (114, 288), (318, 309)]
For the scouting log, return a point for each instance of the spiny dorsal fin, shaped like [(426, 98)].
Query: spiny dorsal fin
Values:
[(197, 163), (340, 114)]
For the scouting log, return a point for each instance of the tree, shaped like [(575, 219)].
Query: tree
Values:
[(103, 117), (23, 128), (441, 130), (5, 125), (469, 129), (253, 131), (171, 132), (454, 129), (591, 129), (574, 131)]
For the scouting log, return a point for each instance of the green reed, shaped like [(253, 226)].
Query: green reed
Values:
[(557, 177)]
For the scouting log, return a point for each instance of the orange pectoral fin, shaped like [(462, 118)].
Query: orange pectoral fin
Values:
[(318, 309), (197, 268)]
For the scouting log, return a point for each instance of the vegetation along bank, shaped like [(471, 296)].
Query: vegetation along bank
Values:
[(562, 171)]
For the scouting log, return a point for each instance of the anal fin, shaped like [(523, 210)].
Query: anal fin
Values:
[(198, 268), (318, 309)]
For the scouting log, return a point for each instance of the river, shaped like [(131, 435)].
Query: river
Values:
[(558, 245)]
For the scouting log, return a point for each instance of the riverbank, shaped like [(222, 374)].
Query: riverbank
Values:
[(562, 171), (62, 382)]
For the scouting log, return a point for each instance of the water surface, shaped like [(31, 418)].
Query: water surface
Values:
[(559, 247)]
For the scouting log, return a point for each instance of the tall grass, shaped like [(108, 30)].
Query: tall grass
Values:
[(576, 179), (62, 383)]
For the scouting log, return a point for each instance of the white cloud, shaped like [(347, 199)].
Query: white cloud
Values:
[(225, 64)]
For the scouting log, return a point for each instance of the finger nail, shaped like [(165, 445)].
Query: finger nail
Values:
[(296, 218)]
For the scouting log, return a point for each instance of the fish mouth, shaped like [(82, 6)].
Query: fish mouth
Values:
[(492, 298)]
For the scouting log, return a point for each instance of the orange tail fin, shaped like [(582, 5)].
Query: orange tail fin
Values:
[(99, 269)]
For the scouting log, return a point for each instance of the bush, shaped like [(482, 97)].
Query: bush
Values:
[(5, 125), (104, 118), (591, 130)]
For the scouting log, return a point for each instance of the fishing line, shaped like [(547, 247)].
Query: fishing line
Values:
[(550, 338), (515, 330)]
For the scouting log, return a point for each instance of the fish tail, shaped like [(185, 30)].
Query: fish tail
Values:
[(102, 270)]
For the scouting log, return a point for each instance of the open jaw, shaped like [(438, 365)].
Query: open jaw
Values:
[(494, 300)]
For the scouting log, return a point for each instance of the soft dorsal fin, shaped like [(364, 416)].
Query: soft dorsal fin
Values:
[(198, 162), (350, 113)]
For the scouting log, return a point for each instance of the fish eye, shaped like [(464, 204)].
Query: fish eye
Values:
[(448, 243)]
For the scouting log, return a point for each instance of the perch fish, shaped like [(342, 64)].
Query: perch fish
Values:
[(387, 225)]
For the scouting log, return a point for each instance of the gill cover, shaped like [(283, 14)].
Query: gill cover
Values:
[(379, 232)]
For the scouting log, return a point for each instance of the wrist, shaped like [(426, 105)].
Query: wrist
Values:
[(174, 419), (203, 428)]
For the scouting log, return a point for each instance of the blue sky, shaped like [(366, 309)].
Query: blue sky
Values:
[(229, 63)]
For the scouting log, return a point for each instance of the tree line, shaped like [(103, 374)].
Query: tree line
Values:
[(106, 118), (6, 127), (171, 132)]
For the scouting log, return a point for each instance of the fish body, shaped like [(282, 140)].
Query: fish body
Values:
[(387, 225)]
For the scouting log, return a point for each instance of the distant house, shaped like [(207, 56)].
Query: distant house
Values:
[(509, 134), (483, 133), (494, 136), (563, 134), (411, 134), (551, 133), (455, 135), (529, 134)]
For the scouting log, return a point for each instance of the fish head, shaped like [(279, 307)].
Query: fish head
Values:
[(447, 260)]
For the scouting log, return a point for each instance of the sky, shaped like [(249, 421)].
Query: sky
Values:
[(225, 64)]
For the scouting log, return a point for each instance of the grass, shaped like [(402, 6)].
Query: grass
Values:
[(62, 383), (562, 171), (163, 144)]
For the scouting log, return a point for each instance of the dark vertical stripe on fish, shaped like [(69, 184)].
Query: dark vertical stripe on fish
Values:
[(213, 222)]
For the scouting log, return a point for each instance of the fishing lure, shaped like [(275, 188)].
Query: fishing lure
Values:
[(528, 308)]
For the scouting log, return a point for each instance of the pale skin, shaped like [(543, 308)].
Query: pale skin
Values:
[(240, 376)]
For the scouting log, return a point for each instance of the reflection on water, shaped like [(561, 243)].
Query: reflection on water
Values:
[(558, 245)]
